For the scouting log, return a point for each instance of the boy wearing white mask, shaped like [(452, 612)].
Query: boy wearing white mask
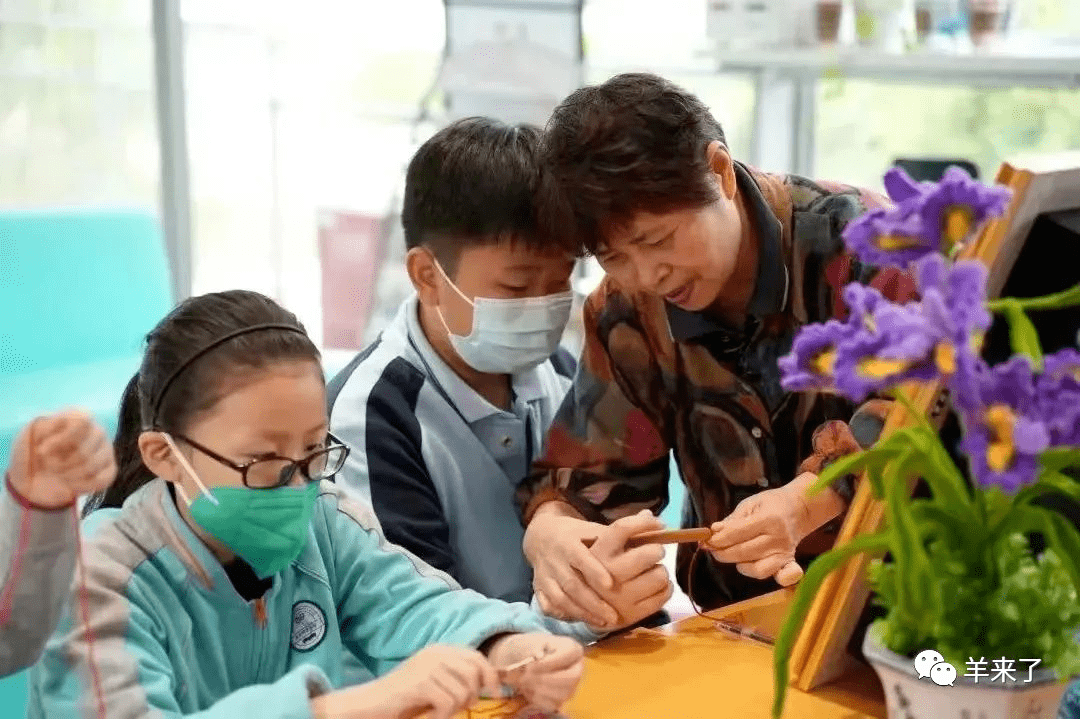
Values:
[(447, 409)]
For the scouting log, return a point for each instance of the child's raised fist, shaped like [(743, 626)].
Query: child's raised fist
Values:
[(59, 457)]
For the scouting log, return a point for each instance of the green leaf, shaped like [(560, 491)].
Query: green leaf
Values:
[(816, 573), (1058, 458), (1062, 537), (1059, 534), (879, 455), (1065, 541), (953, 530), (845, 465), (877, 482), (936, 467), (1022, 334), (1056, 301), (998, 508), (909, 553), (1050, 482)]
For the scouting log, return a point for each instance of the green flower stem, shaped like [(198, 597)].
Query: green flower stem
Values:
[(1058, 458), (909, 554), (1056, 301), (1022, 334)]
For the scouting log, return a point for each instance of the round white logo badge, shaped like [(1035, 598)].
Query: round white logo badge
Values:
[(308, 626)]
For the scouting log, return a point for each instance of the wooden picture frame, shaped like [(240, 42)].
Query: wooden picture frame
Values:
[(1040, 184)]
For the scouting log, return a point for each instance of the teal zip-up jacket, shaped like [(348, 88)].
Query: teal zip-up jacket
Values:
[(165, 633)]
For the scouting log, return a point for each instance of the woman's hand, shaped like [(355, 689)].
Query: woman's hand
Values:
[(760, 537)]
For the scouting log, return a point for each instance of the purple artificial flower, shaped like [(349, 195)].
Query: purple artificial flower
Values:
[(887, 236), (1005, 432), (902, 187), (899, 348), (1059, 397), (935, 337), (954, 302), (958, 205), (813, 355), (927, 218), (811, 362)]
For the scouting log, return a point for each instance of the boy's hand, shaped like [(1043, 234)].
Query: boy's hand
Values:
[(642, 584), (71, 456), (567, 577)]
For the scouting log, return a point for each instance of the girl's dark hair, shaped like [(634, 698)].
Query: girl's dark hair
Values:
[(190, 327)]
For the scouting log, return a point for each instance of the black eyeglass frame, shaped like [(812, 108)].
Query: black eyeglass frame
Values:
[(287, 472)]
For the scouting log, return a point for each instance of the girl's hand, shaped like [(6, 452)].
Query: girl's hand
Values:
[(550, 678), (442, 680), (71, 456)]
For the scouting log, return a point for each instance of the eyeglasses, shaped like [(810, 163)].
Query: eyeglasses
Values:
[(273, 471)]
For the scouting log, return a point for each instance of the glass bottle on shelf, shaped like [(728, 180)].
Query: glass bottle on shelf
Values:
[(829, 16), (937, 20), (990, 21)]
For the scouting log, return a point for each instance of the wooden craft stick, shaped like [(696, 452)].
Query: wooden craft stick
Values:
[(663, 536)]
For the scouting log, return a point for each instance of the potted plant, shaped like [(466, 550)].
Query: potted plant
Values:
[(884, 24), (964, 587)]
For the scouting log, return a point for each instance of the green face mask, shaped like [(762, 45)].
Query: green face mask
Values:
[(267, 528)]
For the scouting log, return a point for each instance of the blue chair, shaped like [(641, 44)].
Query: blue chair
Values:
[(79, 291)]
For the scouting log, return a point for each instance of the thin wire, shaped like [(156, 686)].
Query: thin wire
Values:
[(500, 711), (689, 584), (718, 623)]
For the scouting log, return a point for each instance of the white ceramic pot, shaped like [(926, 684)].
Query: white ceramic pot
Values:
[(909, 697)]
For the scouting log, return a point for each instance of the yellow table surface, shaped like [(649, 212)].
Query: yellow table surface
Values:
[(691, 670)]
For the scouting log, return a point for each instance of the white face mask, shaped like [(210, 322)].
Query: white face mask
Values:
[(510, 336)]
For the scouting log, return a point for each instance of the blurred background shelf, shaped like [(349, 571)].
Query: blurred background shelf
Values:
[(1057, 66)]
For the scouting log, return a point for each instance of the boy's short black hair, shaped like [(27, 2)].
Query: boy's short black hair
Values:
[(635, 143), (473, 183)]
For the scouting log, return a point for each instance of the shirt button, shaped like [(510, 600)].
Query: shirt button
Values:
[(756, 431), (507, 441)]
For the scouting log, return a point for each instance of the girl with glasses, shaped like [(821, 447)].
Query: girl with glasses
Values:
[(224, 578)]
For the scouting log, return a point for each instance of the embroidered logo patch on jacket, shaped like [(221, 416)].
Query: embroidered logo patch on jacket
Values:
[(308, 626)]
